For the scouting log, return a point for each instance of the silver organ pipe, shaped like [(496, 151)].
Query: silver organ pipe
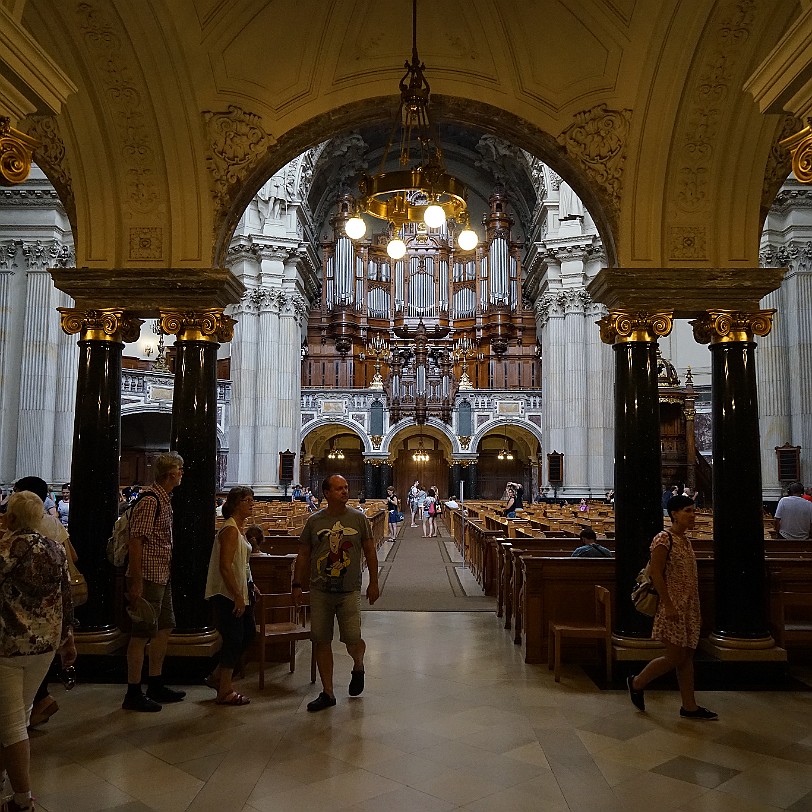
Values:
[(330, 282), (359, 283), (499, 270), (483, 274), (344, 273)]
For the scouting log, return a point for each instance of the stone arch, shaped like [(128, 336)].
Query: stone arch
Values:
[(379, 111), (502, 423), (322, 427), (407, 428)]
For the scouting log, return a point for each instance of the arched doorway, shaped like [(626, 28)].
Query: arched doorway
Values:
[(405, 452), (332, 449), (507, 453)]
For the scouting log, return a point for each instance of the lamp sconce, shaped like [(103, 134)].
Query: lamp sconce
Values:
[(148, 350)]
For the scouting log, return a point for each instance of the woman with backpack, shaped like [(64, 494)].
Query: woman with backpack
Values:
[(429, 513)]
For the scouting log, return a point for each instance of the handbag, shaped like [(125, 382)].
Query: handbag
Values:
[(78, 584), (644, 595)]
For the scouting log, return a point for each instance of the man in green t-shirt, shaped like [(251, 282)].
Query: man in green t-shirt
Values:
[(330, 549)]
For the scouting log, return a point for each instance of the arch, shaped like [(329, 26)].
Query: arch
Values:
[(449, 109), (503, 422), (407, 428), (323, 426)]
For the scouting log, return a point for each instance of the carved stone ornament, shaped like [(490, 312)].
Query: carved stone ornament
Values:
[(779, 162), (237, 141), (51, 157), (198, 325), (621, 326), (464, 442), (725, 326), (800, 147), (377, 439), (16, 154), (108, 324), (597, 141)]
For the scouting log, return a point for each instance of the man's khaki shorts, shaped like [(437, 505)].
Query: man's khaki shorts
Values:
[(325, 606), (162, 616)]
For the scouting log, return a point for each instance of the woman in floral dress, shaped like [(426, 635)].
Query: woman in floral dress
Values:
[(678, 620)]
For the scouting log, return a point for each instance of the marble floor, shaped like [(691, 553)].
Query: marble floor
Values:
[(451, 718)]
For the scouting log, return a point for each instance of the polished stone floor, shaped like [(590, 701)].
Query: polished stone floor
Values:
[(451, 718)]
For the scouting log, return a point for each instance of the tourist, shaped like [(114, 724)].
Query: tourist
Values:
[(413, 493), (393, 512), (429, 514), (63, 505), (255, 535), (231, 591), (678, 619), (793, 516), (330, 549), (510, 507), (590, 547)]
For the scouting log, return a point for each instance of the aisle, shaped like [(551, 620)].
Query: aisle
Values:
[(426, 575)]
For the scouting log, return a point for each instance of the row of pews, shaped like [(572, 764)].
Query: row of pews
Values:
[(535, 580)]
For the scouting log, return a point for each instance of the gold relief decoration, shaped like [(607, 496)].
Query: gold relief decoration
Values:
[(688, 242), (779, 162), (800, 147), (198, 325), (690, 414), (377, 439), (16, 154), (464, 442), (51, 157), (620, 326), (106, 324), (237, 141), (597, 141), (724, 326), (146, 242)]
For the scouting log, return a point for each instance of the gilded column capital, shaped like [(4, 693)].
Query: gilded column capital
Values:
[(198, 325), (622, 326), (726, 326), (105, 324), (16, 153), (800, 147)]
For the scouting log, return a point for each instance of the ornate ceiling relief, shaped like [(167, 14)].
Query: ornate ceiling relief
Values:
[(722, 58), (50, 156), (597, 141), (238, 142), (127, 96)]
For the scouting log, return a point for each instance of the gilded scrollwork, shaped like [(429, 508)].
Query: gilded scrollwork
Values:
[(719, 326), (198, 325), (800, 147), (50, 155), (16, 154), (104, 324), (623, 325)]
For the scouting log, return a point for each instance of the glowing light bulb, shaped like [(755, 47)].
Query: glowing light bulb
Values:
[(396, 248), (434, 216), (467, 239), (355, 228)]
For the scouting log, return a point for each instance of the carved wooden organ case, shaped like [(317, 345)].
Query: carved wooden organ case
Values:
[(423, 327)]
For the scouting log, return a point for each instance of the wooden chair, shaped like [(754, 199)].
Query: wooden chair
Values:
[(598, 631), (271, 630)]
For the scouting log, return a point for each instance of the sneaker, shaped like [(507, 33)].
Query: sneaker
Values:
[(321, 702), (637, 698), (700, 713), (12, 806), (164, 695), (356, 683), (43, 711), (139, 702)]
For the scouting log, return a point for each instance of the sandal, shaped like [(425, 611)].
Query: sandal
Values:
[(233, 699)]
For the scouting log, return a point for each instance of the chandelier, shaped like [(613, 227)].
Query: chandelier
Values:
[(420, 455), (505, 453), (335, 453), (424, 193)]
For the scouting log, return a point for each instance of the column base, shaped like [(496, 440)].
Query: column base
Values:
[(104, 642), (204, 644), (635, 649), (735, 649)]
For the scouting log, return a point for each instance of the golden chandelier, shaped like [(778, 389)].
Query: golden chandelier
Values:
[(425, 193)]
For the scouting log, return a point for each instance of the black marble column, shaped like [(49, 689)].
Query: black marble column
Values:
[(371, 481), (638, 507), (740, 579), (471, 481), (194, 437), (95, 460), (454, 477), (386, 478)]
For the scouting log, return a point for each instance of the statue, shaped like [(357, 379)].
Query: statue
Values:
[(569, 204), (272, 198)]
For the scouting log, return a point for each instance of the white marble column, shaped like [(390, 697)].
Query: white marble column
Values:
[(550, 315), (600, 405), (575, 395), (242, 419), (293, 313), (65, 405), (266, 446), (8, 411), (38, 374)]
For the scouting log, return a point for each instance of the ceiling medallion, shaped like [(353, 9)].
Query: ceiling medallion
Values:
[(424, 193)]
